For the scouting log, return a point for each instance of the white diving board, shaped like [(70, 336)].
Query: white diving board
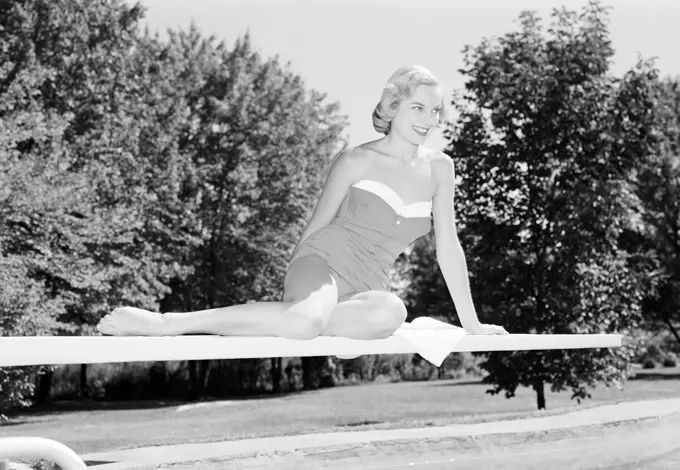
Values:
[(52, 350)]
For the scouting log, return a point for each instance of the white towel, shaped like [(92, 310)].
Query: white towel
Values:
[(434, 340)]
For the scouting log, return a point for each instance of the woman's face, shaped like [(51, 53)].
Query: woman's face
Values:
[(418, 115)]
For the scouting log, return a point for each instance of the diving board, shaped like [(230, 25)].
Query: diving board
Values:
[(52, 350)]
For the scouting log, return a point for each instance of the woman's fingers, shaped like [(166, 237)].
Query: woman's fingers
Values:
[(493, 330), (485, 329)]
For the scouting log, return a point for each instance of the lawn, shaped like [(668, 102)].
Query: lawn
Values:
[(98, 426)]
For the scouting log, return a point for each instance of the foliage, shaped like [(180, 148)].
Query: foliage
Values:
[(658, 186), (165, 174), (546, 146)]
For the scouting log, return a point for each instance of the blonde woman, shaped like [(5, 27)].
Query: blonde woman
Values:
[(378, 198)]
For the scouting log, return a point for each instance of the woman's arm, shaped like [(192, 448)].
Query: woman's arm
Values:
[(344, 171), (450, 254)]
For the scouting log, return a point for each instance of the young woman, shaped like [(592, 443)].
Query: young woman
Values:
[(378, 198)]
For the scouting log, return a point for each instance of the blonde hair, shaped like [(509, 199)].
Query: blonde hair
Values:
[(401, 85)]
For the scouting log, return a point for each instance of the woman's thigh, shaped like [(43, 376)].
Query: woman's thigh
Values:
[(307, 273), (310, 287), (367, 315)]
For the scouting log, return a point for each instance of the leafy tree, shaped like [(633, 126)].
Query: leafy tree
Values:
[(545, 145), (658, 186), (43, 231), (138, 171), (259, 144)]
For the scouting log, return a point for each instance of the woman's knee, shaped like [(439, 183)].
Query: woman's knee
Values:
[(397, 310), (387, 312)]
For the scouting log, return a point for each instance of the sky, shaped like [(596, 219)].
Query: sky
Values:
[(349, 48)]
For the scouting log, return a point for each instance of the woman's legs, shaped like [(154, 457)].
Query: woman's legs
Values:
[(367, 315), (311, 296), (309, 308)]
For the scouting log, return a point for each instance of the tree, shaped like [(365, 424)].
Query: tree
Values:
[(658, 186), (545, 145), (44, 205), (161, 175), (259, 144)]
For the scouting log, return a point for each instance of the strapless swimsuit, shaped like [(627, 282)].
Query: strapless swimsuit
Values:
[(371, 228)]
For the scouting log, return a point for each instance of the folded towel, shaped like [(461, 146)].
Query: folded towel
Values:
[(432, 339)]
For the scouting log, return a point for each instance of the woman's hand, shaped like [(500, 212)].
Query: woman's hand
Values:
[(484, 329)]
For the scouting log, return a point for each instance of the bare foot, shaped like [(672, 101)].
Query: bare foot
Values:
[(131, 321)]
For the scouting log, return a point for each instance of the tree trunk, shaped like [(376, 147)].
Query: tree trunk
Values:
[(539, 387), (198, 376), (327, 373), (193, 373), (277, 364), (311, 366), (205, 371), (44, 385), (84, 392), (316, 373), (310, 373)]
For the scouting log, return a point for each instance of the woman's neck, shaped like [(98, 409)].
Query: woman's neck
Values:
[(399, 148)]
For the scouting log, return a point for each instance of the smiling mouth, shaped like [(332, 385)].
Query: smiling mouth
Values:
[(421, 130)]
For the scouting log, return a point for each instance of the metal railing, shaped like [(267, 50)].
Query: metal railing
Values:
[(41, 448)]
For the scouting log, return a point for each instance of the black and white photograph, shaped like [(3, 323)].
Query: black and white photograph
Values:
[(339, 234)]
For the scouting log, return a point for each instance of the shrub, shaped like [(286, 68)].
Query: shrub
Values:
[(669, 362)]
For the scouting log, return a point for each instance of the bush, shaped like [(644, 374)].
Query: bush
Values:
[(669, 344), (669, 362), (657, 348), (654, 352)]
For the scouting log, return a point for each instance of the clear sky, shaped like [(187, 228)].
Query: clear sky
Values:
[(349, 48)]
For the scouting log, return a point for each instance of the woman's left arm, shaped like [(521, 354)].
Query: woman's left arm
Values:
[(450, 256)]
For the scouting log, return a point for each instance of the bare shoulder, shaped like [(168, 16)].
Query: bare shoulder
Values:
[(345, 170), (368, 149), (351, 161), (439, 159), (356, 154), (443, 167)]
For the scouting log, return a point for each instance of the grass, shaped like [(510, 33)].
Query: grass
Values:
[(99, 426)]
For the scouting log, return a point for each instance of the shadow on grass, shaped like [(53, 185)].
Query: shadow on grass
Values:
[(359, 423), (458, 383), (94, 463), (12, 423), (85, 405), (73, 406), (658, 375)]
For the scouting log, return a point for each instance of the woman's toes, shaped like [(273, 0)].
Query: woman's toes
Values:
[(132, 321)]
